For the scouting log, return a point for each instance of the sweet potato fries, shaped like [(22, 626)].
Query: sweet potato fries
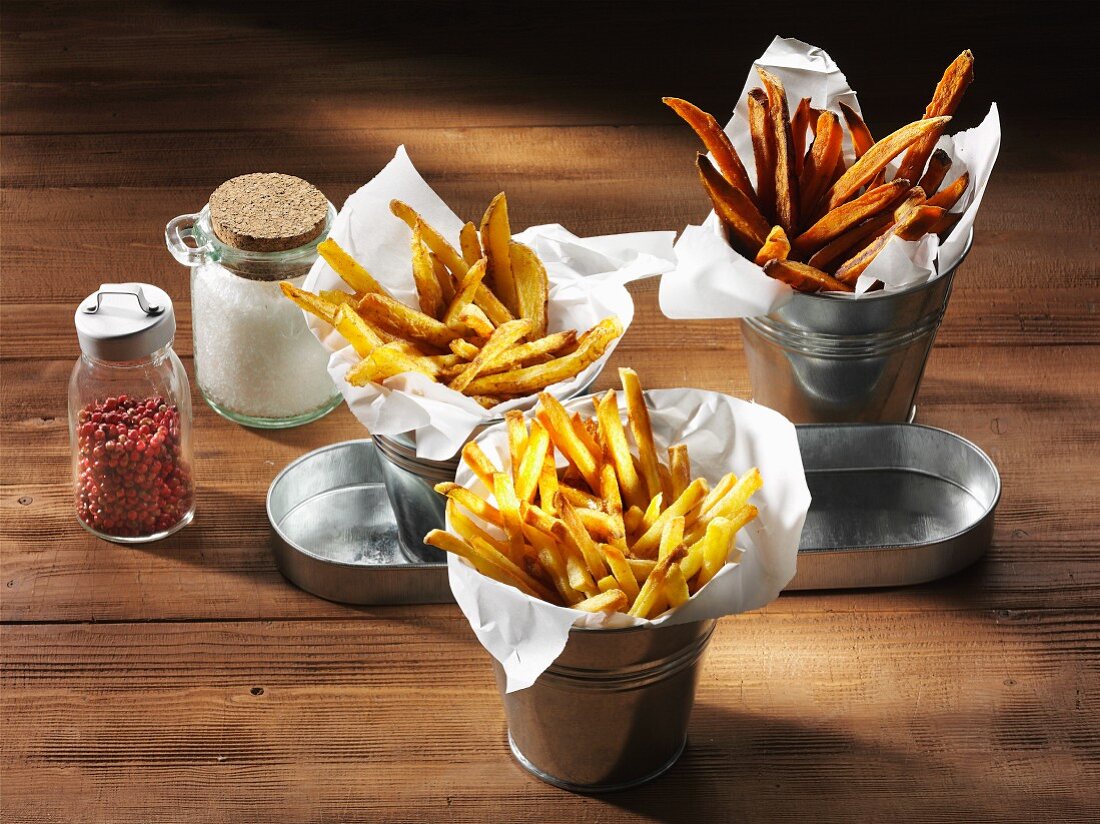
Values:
[(813, 221)]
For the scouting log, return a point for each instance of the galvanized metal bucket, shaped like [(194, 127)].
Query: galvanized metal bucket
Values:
[(612, 711), (825, 359), (410, 485)]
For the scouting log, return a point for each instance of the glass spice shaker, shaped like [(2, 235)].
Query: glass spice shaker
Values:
[(130, 417), (256, 362)]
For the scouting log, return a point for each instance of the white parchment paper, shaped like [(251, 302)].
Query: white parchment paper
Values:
[(723, 435), (711, 280), (587, 284)]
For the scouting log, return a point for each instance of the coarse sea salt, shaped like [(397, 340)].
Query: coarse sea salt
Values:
[(254, 354)]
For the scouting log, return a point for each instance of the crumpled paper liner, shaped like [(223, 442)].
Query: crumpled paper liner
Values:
[(723, 434), (711, 280), (587, 284)]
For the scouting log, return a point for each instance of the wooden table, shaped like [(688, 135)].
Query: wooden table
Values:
[(187, 681)]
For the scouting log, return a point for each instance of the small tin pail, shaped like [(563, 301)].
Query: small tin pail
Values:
[(827, 359), (612, 711), (410, 485)]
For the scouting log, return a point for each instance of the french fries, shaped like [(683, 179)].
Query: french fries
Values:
[(481, 320), (820, 162), (528, 379), (578, 548), (496, 236), (532, 287), (763, 150), (939, 164), (776, 246), (812, 220), (949, 92), (743, 220), (786, 175), (354, 275), (804, 277), (847, 215), (717, 143)]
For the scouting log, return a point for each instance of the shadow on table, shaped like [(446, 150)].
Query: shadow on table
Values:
[(234, 575), (739, 766)]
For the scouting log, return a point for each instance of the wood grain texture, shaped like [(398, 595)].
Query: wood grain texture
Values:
[(314, 721), (187, 681)]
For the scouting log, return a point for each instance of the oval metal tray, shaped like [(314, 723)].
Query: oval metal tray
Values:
[(893, 504), (334, 533)]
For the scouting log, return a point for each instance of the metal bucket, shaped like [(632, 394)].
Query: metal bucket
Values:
[(410, 485), (612, 711), (825, 359)]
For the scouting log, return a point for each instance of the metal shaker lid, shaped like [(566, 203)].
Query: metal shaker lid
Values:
[(125, 321)]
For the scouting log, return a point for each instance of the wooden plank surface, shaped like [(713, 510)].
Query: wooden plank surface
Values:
[(845, 716), (187, 681)]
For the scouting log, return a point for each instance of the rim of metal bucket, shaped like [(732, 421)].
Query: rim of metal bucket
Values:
[(276, 526), (897, 293), (843, 346)]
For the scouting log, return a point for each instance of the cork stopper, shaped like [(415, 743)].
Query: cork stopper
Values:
[(267, 212)]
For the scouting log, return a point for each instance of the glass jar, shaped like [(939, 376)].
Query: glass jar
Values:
[(130, 417), (256, 362)]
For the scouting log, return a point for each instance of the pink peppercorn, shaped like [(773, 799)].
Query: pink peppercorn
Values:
[(148, 488)]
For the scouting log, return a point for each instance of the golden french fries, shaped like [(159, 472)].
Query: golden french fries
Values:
[(503, 336), (429, 289), (314, 304), (814, 220), (532, 286), (354, 275), (470, 243), (464, 295), (577, 547), (496, 236), (528, 379), (356, 331), (492, 346), (410, 324)]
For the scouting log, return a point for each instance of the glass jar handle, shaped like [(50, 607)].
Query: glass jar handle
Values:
[(176, 232)]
